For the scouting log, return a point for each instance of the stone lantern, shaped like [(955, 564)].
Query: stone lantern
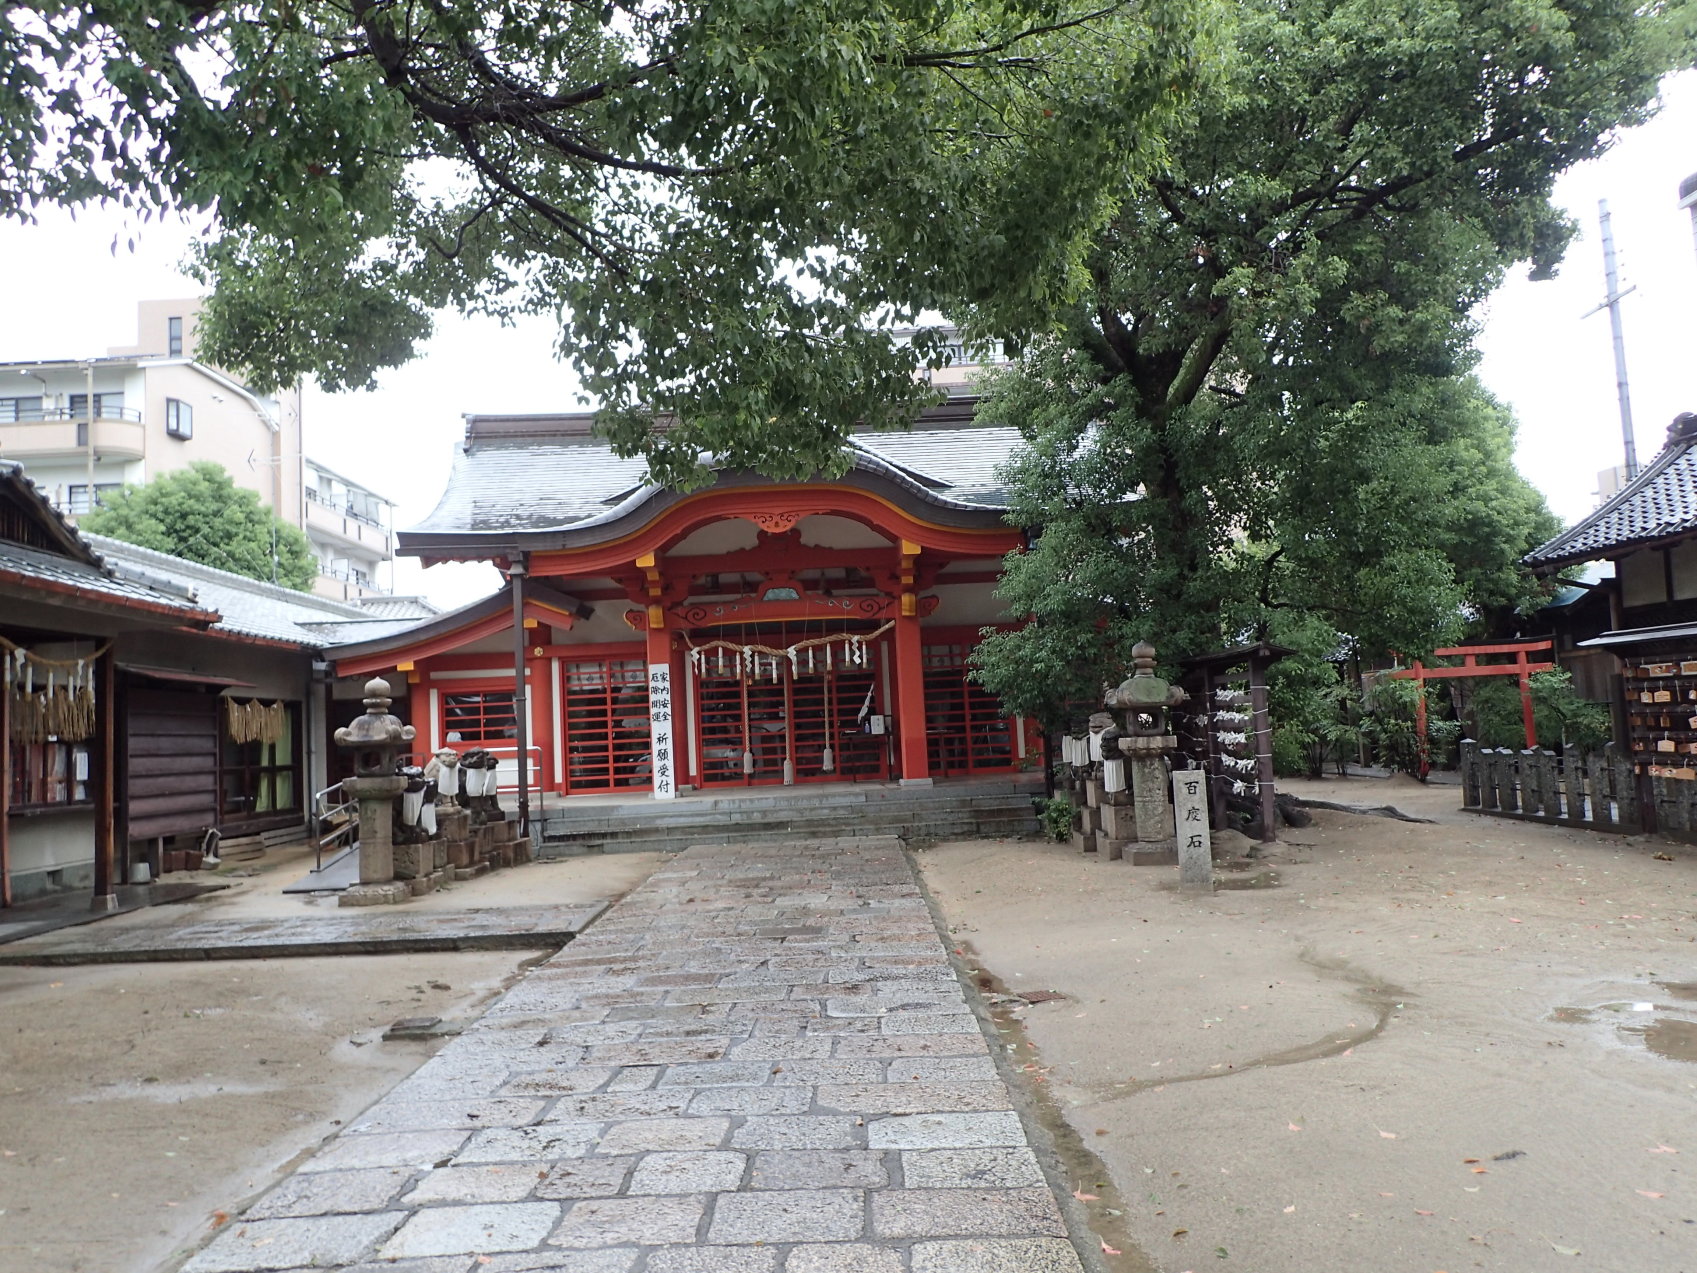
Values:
[(376, 739), (1143, 737)]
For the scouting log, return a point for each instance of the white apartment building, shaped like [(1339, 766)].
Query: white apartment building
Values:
[(352, 532), (85, 427)]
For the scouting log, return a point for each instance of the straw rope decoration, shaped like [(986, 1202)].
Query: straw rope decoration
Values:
[(254, 722), (50, 698), (754, 660)]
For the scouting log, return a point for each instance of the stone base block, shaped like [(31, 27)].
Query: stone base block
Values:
[(1084, 841), (1118, 821), (524, 849), (1153, 854), (375, 894), (1111, 849), (421, 885), (1090, 820), (502, 832), (412, 861), (459, 854), (1093, 792)]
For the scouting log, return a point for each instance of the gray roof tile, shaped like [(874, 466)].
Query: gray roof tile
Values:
[(249, 607), (1661, 501)]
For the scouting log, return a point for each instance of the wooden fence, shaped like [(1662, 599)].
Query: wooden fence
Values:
[(1597, 790)]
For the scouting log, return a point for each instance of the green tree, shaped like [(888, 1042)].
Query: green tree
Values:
[(1262, 407), (201, 514), (727, 203)]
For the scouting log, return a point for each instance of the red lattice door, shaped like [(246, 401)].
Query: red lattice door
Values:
[(606, 724), (965, 731)]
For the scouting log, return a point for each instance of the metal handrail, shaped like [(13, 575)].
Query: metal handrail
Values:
[(38, 415), (324, 811)]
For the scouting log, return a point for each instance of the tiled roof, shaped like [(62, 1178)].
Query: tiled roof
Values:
[(521, 480), (1659, 502), (249, 607), (397, 607), (34, 566)]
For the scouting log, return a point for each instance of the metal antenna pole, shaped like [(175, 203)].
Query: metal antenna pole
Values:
[(1611, 302)]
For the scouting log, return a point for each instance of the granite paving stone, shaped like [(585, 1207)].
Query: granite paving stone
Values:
[(515, 1226), (321, 1193), (843, 1257), (657, 1221), (251, 1245), (759, 1061), (788, 1215)]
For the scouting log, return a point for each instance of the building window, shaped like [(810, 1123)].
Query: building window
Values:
[(49, 774), (179, 419), (76, 497), (107, 406), (485, 719), (13, 410), (261, 778), (174, 337)]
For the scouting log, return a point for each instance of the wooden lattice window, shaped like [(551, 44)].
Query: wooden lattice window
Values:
[(606, 727), (965, 730), (482, 718)]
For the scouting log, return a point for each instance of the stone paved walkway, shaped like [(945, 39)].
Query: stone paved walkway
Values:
[(169, 936), (760, 1061)]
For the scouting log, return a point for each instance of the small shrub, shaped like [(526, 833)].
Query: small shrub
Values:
[(1056, 815)]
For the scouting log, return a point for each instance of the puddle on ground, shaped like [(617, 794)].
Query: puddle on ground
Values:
[(1085, 1171), (1668, 1037), (1673, 1038), (1249, 879)]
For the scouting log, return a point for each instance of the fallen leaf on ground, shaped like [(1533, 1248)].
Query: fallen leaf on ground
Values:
[(1383, 1194), (1648, 1194), (220, 1218), (1388, 1135), (1290, 1208), (1469, 1160), (1106, 1249), (1659, 1149), (1514, 921), (1293, 1127), (1419, 1212), (1084, 1197), (1179, 1233), (1564, 1250), (1480, 1171)]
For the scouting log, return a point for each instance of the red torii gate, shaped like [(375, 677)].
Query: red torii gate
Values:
[(1522, 667)]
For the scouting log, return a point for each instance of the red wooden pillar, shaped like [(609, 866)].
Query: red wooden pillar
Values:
[(103, 753), (1526, 716), (540, 674), (418, 707), (1421, 748), (910, 697)]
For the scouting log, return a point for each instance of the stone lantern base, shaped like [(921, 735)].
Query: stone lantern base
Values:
[(375, 894)]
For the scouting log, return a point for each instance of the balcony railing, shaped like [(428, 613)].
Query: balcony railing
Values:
[(347, 574), (345, 509), (38, 415)]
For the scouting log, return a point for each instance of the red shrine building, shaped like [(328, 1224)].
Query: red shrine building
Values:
[(751, 633)]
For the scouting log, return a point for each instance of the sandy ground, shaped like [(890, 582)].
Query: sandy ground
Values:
[(1468, 1045), (140, 1101)]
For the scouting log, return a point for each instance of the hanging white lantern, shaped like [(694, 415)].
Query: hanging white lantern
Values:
[(748, 762)]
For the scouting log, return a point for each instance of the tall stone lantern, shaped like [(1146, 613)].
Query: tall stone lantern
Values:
[(376, 739), (1140, 706)]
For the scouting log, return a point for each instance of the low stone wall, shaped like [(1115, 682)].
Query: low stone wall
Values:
[(1596, 790)]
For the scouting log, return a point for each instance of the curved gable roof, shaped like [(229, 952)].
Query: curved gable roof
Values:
[(1660, 502)]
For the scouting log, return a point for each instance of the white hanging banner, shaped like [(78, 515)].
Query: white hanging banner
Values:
[(661, 757)]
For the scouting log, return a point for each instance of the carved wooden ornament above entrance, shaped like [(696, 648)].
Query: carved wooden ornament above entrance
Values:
[(776, 523)]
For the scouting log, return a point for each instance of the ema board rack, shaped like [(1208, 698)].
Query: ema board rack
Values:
[(1661, 714)]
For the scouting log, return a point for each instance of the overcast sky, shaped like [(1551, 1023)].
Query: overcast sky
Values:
[(71, 297)]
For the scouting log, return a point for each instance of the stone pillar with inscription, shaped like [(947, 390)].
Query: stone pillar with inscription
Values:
[(1195, 848)]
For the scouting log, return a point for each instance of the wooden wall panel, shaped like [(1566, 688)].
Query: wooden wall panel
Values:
[(172, 748)]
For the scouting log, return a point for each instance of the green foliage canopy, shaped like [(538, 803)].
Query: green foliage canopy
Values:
[(727, 203), (200, 513), (1260, 415)]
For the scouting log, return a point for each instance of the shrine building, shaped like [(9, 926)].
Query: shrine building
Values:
[(750, 633)]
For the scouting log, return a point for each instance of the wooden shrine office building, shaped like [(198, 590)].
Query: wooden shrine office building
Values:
[(750, 633)]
